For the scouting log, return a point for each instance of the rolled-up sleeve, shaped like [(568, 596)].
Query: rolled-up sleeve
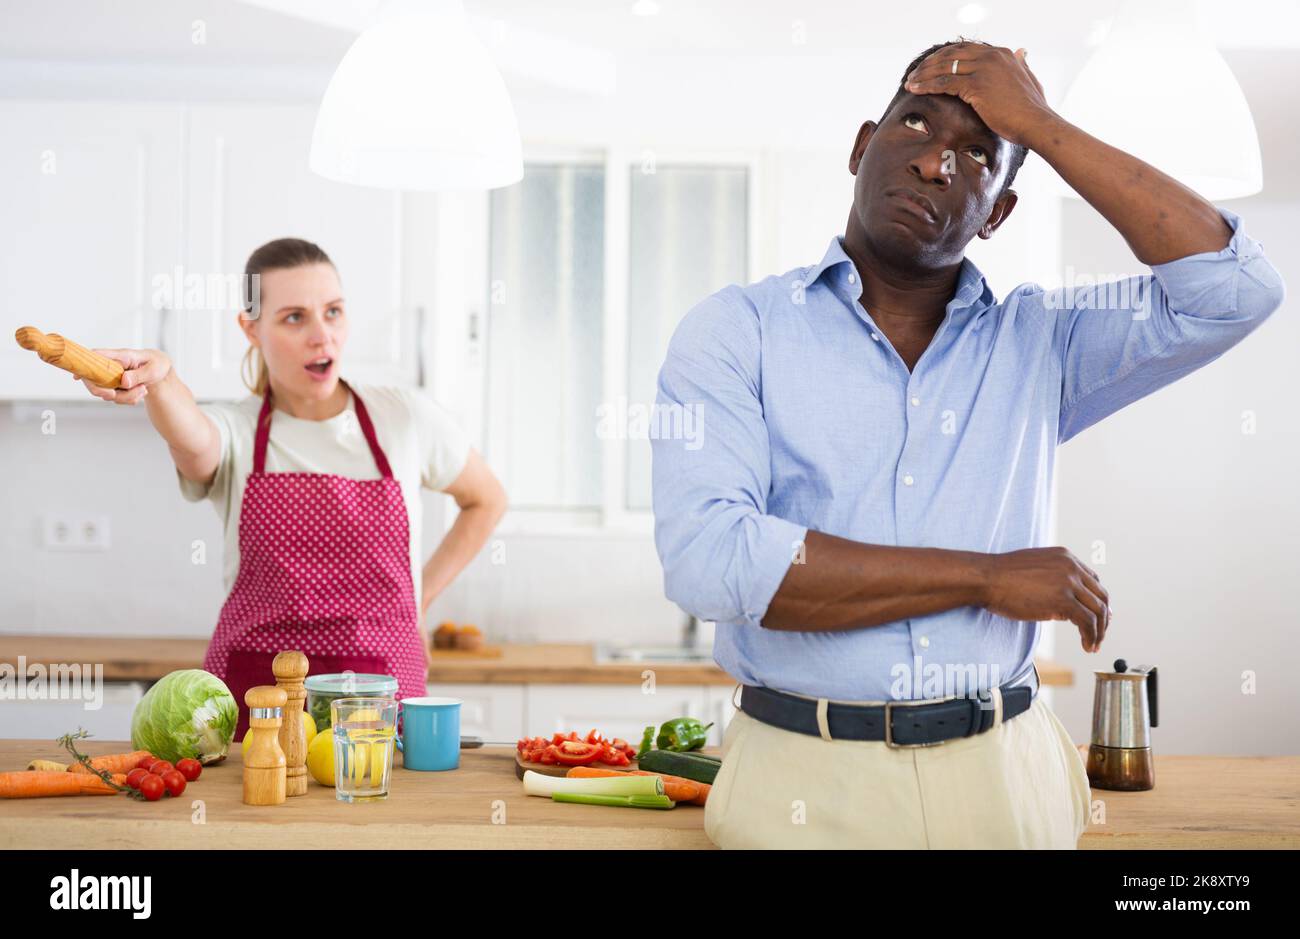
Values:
[(723, 556), (1120, 341)]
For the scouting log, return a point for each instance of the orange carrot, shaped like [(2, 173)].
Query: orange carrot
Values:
[(675, 787), (702, 789), (31, 784), (113, 763)]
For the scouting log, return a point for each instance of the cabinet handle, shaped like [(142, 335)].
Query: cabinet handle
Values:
[(419, 346), (162, 329)]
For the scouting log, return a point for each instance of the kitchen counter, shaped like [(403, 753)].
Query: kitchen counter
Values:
[(1198, 802), (139, 659)]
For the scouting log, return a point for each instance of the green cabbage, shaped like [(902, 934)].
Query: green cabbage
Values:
[(189, 713)]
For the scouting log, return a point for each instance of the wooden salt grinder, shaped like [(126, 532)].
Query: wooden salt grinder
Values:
[(290, 669), (264, 768)]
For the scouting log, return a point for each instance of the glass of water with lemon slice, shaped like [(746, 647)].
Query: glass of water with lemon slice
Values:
[(364, 731)]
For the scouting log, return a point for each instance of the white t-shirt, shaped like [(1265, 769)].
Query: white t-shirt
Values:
[(423, 445)]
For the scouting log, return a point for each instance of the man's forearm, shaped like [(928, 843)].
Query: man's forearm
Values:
[(843, 584), (1160, 218)]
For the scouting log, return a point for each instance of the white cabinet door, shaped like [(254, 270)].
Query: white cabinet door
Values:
[(249, 184), (614, 710), (91, 199), (720, 710), (493, 712), (50, 719)]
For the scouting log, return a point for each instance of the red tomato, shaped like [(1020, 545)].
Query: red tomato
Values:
[(151, 787), (190, 768), (133, 778), (162, 766), (147, 763), (174, 782), (571, 753)]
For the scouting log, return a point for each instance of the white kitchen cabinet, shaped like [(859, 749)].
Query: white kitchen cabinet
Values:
[(249, 184), (720, 710), (48, 719), (614, 710), (493, 712), (92, 201)]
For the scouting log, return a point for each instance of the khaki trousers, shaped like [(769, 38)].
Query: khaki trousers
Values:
[(1021, 784)]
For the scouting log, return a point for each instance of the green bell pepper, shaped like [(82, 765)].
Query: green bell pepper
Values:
[(682, 734)]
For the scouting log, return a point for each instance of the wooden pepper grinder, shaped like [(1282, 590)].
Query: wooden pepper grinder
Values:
[(264, 766), (290, 669)]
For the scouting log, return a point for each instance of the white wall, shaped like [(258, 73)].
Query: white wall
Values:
[(1199, 521)]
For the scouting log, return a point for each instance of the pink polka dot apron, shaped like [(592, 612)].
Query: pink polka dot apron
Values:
[(325, 568)]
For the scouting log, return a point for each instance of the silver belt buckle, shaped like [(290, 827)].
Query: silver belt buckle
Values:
[(889, 723)]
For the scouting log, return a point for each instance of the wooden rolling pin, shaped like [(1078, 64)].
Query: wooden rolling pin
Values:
[(71, 357)]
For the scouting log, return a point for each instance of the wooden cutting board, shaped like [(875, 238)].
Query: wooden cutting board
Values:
[(548, 770)]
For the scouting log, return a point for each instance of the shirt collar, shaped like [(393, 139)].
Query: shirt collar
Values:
[(971, 285)]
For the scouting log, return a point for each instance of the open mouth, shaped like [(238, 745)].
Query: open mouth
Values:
[(320, 367)]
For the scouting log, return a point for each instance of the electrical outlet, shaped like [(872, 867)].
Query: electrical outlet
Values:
[(76, 533)]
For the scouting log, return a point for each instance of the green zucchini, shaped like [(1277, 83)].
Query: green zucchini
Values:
[(686, 765)]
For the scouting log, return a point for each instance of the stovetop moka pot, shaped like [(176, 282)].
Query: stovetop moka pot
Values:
[(1124, 709)]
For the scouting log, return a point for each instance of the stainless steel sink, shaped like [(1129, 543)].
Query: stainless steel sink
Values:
[(609, 655)]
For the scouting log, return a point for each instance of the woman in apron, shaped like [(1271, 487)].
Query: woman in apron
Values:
[(321, 520)]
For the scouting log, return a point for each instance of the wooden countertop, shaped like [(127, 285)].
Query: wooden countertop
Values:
[(454, 809), (1198, 802), (139, 659)]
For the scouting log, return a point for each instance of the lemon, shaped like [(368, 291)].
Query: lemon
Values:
[(320, 759), (308, 727)]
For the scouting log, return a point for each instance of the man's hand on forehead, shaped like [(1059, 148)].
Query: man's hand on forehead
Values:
[(994, 81)]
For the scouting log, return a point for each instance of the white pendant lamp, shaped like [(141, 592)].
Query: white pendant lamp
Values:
[(417, 104), (1158, 88)]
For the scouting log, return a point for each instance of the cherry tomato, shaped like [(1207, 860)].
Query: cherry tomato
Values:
[(133, 778), (162, 766), (190, 768), (151, 787), (174, 782), (147, 763)]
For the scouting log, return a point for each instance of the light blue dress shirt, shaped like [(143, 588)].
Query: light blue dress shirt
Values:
[(808, 418)]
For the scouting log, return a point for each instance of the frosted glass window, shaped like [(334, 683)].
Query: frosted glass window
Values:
[(546, 297), (689, 237)]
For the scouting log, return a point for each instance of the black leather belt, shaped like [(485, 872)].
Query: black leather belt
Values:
[(897, 723)]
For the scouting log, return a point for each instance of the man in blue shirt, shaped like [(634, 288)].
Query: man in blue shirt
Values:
[(866, 511)]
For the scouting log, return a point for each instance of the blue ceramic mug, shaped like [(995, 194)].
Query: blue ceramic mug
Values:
[(429, 738)]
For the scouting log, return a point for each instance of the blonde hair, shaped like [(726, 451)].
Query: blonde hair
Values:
[(254, 372), (278, 255)]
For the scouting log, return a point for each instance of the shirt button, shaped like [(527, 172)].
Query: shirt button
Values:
[(925, 642), (853, 278), (875, 337), (907, 480), (916, 401)]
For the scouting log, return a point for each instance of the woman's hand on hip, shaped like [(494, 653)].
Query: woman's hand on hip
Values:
[(143, 368)]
